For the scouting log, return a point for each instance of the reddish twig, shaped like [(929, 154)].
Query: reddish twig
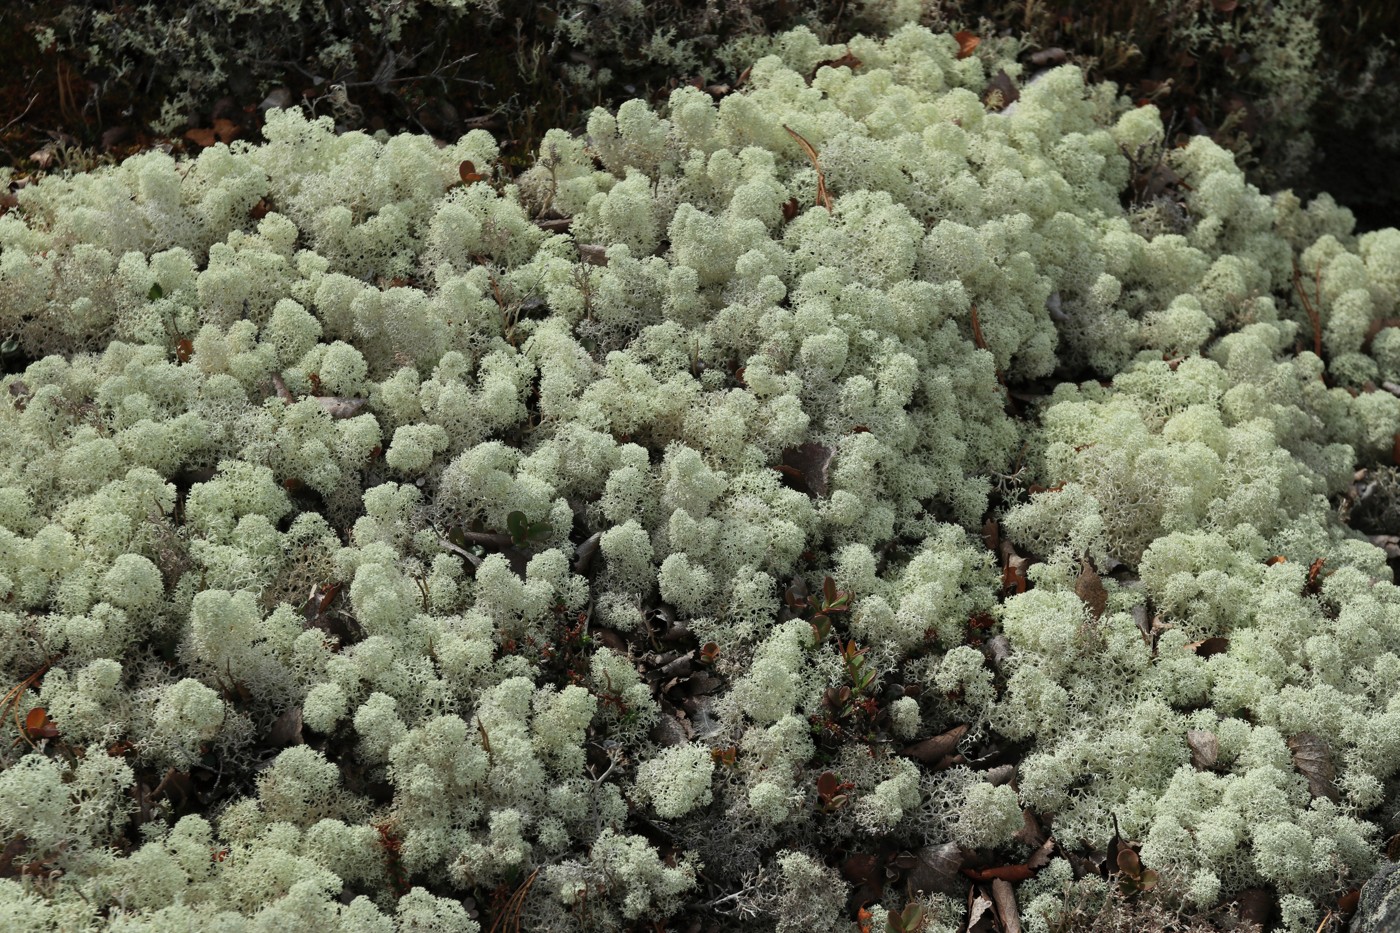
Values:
[(1311, 305)]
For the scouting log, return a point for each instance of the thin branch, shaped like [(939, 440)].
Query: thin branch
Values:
[(1309, 305), (460, 552), (21, 115)]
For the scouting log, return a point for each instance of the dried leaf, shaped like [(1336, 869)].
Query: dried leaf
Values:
[(998, 651), (1013, 575), (557, 225), (937, 747), (36, 723), (991, 534), (595, 254), (283, 392), (338, 407), (845, 61), (980, 906), (1205, 748), (1001, 92), (1049, 58), (226, 130), (670, 731), (1030, 834), (1139, 613), (1007, 909), (1209, 647), (967, 43), (1002, 774), (1089, 587), (1041, 856), (1004, 872), (584, 554), (468, 173), (1315, 574), (202, 137), (286, 728), (1313, 760), (279, 98), (866, 873), (1225, 6), (812, 463), (1256, 906), (823, 198)]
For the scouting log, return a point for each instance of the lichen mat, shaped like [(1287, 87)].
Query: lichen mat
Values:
[(389, 545)]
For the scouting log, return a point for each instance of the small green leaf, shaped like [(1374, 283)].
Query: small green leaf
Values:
[(156, 293), (907, 922), (9, 346)]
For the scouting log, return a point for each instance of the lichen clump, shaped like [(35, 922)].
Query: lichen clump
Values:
[(379, 533)]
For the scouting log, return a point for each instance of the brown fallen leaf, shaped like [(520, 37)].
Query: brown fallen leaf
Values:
[(1001, 92), (1048, 58), (1089, 588), (935, 870), (1315, 574), (1205, 748), (1004, 872), (1312, 758), (226, 130), (1030, 833), (936, 747), (967, 43), (847, 60), (557, 225), (286, 728), (866, 873), (223, 131), (670, 731), (991, 534), (1013, 575), (1001, 774), (338, 407), (823, 198), (283, 392), (1041, 856), (998, 651), (1139, 613), (1209, 647), (809, 466), (595, 254), (1008, 911), (981, 909), (1256, 906)]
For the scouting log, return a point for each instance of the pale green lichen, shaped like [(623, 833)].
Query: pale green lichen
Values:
[(351, 459)]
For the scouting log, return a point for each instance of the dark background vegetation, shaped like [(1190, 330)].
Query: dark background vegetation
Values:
[(86, 81)]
